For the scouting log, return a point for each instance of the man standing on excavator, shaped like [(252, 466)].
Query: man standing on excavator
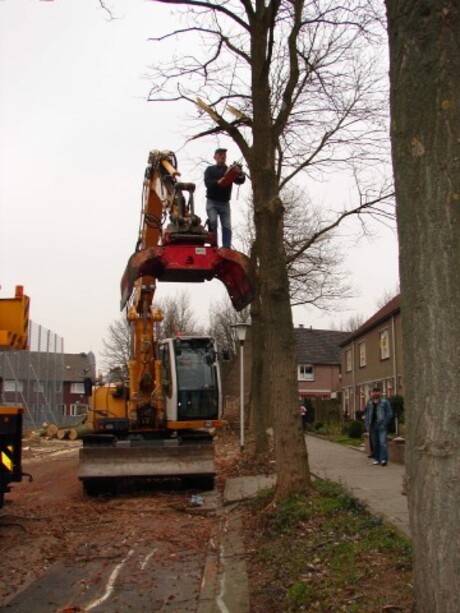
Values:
[(219, 179)]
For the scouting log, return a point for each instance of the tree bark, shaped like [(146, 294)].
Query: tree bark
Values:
[(275, 307), (78, 432), (279, 341), (261, 417), (425, 112)]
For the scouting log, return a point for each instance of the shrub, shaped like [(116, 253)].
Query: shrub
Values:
[(397, 404), (318, 426), (355, 428), (311, 413)]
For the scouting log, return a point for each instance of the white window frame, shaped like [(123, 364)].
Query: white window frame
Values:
[(362, 354), (13, 386), (77, 387), (77, 409), (302, 373), (61, 408), (38, 387), (384, 344), (348, 360)]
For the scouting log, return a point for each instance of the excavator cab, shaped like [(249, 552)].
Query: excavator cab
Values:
[(190, 382), (192, 363)]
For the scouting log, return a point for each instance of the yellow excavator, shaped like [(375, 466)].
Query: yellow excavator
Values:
[(14, 331), (159, 423)]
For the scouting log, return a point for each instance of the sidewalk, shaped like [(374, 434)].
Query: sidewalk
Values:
[(379, 487), (225, 587)]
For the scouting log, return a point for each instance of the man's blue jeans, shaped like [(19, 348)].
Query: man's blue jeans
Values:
[(220, 210), (379, 437)]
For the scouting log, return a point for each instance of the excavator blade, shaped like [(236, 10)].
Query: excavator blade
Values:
[(100, 462), (192, 264)]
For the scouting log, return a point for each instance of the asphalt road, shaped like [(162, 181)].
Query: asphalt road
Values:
[(140, 551)]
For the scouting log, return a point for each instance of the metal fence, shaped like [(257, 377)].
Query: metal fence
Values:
[(35, 378)]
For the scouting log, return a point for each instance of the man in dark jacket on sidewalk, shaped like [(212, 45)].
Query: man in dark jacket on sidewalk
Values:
[(378, 416), (219, 179)]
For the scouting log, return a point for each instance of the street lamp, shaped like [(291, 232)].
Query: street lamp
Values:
[(241, 329)]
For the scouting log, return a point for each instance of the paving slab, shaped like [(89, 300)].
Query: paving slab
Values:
[(243, 488), (377, 486)]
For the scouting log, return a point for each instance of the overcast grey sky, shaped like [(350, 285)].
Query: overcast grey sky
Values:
[(75, 135)]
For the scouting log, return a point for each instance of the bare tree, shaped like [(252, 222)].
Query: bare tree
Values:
[(425, 82), (386, 296), (316, 276), (116, 348), (349, 324), (222, 317), (296, 86), (178, 318)]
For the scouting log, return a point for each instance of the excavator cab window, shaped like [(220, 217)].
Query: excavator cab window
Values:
[(166, 374), (197, 380), (177, 346)]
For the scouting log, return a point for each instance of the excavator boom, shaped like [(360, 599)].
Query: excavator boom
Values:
[(160, 422)]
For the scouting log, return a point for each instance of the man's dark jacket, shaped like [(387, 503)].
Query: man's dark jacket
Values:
[(213, 190)]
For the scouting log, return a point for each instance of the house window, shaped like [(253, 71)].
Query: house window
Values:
[(13, 385), (384, 344), (348, 360), (78, 409), (39, 387), (346, 400), (60, 408), (362, 354), (305, 372), (77, 388)]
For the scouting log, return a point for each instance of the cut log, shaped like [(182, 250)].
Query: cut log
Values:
[(78, 431), (62, 433), (51, 430)]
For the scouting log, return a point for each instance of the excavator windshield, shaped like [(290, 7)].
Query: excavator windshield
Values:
[(197, 384)]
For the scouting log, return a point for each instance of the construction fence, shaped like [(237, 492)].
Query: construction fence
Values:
[(34, 379)]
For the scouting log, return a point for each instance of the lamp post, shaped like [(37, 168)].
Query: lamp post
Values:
[(241, 329)]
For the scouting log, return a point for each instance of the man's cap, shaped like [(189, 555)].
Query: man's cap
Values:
[(220, 150), (376, 389)]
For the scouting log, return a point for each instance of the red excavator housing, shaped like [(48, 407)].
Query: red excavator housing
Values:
[(192, 264)]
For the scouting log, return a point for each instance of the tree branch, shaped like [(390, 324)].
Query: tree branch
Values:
[(210, 6)]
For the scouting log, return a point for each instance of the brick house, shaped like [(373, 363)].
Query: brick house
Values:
[(78, 367), (372, 355), (49, 385), (318, 362)]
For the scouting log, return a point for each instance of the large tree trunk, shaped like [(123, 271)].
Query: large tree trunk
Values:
[(293, 473), (425, 108), (261, 418), (279, 341)]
